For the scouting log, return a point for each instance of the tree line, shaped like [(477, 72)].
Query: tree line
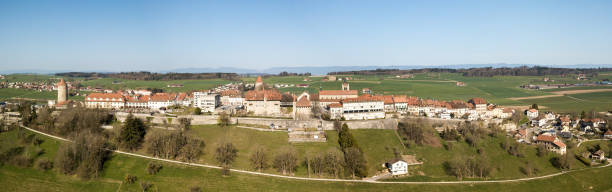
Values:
[(484, 71), (145, 75)]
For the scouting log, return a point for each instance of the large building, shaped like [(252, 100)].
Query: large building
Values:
[(161, 101), (302, 108), (105, 100), (263, 102), (207, 102)]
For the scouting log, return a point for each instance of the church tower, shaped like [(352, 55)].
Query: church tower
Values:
[(62, 91)]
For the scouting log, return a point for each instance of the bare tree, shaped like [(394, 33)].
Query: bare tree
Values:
[(224, 119), (334, 162), (185, 123), (259, 159), (286, 161), (355, 162), (225, 154)]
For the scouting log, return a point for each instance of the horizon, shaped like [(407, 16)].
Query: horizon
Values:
[(114, 36)]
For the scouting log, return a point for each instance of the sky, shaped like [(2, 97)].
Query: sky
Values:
[(163, 35)]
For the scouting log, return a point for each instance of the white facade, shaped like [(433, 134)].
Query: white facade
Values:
[(207, 102), (399, 167), (362, 110)]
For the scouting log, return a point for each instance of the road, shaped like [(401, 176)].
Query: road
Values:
[(324, 179), (561, 93)]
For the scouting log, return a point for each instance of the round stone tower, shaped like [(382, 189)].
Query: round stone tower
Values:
[(62, 91)]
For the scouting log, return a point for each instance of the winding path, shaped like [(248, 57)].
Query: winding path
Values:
[(324, 179)]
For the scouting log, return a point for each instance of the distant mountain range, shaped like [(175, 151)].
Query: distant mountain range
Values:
[(315, 70)]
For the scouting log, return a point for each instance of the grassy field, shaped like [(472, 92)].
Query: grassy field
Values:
[(8, 93), (375, 144), (182, 178), (189, 85), (576, 102)]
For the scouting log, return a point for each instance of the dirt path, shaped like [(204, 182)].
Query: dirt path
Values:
[(561, 93), (324, 179)]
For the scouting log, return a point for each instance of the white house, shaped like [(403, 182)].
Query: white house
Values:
[(532, 113), (397, 166), (105, 100), (363, 108)]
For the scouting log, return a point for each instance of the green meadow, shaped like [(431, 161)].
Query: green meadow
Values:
[(174, 177)]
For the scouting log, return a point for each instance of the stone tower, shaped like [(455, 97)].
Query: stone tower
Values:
[(62, 91), (259, 84)]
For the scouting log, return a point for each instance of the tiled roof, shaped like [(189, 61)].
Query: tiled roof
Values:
[(101, 97), (335, 105), (163, 97), (363, 98), (231, 92), (61, 82), (303, 102), (259, 95), (546, 138), (338, 92), (258, 79)]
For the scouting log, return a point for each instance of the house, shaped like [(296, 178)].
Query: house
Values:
[(232, 97), (551, 143), (399, 166), (335, 111), (137, 101), (597, 155), (479, 103), (608, 134), (532, 113), (366, 91), (521, 135)]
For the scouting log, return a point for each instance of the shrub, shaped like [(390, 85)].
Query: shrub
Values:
[(129, 179), (44, 164), (153, 168), (145, 185)]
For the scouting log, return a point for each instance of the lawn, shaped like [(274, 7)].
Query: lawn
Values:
[(181, 178)]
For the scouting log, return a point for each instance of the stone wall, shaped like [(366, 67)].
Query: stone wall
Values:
[(280, 123)]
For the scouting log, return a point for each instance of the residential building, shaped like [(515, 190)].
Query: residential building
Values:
[(207, 102), (160, 101), (362, 108), (532, 113), (479, 103), (105, 100), (551, 143)]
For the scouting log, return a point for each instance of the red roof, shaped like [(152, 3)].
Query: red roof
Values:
[(478, 101), (303, 102), (546, 138), (363, 98), (100, 96), (609, 132), (559, 144), (335, 105), (259, 95), (338, 92), (258, 79), (163, 97), (389, 99)]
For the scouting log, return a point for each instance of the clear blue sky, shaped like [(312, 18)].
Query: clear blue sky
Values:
[(159, 35)]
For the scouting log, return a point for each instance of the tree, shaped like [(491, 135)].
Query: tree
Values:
[(185, 123), (286, 161), (225, 154), (197, 111), (534, 106), (192, 150), (333, 162), (355, 162), (259, 159), (132, 134), (345, 138), (224, 119)]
